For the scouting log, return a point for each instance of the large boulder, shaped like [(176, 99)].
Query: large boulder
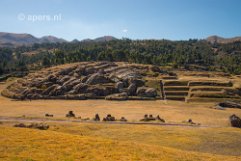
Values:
[(47, 84), (97, 79), (58, 90), (31, 91), (80, 70), (131, 90), (123, 119), (66, 71), (90, 70), (100, 90), (70, 114), (35, 83), (229, 104), (148, 118), (235, 121), (114, 79), (70, 84), (146, 92), (52, 78), (50, 89), (127, 73), (109, 90), (33, 96), (97, 91), (151, 92), (155, 69), (109, 118), (75, 97), (119, 86), (141, 91), (117, 96), (64, 79), (97, 117), (79, 88), (84, 78), (137, 82), (101, 71)]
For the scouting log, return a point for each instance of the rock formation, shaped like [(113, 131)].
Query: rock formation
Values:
[(85, 80)]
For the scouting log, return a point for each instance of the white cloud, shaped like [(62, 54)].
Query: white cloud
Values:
[(125, 30)]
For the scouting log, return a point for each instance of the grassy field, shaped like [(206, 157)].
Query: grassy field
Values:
[(171, 111), (119, 142), (87, 141)]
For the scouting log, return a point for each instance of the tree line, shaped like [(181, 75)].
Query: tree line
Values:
[(176, 54)]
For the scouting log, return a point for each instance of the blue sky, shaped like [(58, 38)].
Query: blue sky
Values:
[(136, 19)]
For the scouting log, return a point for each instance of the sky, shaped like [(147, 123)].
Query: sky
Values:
[(135, 19)]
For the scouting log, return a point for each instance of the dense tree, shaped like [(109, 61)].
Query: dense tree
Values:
[(46, 62), (176, 54)]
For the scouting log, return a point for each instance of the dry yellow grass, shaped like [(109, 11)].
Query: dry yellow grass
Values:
[(171, 111), (223, 141), (26, 144), (83, 141)]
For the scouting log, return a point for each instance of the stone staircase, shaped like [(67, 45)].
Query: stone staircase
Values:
[(198, 90), (175, 90)]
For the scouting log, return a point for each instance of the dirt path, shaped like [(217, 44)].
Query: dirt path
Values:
[(31, 120)]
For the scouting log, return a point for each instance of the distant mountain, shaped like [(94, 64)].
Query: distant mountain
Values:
[(218, 39), (13, 39), (100, 39), (105, 38), (87, 40), (51, 39), (75, 41)]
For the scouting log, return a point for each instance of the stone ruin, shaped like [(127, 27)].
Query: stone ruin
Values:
[(85, 80)]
